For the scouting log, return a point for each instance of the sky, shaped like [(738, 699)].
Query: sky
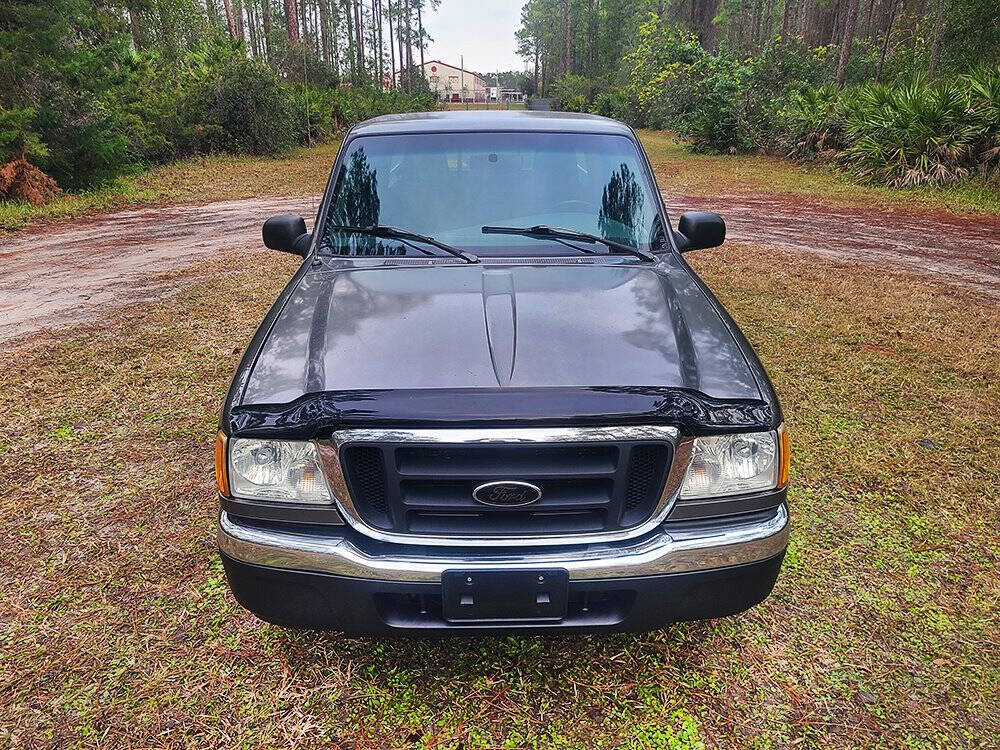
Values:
[(482, 30)]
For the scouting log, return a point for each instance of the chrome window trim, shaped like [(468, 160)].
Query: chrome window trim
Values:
[(329, 451)]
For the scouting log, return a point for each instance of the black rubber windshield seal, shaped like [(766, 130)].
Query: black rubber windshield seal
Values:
[(318, 414)]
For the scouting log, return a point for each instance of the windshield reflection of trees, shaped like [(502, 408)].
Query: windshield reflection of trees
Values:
[(356, 203), (621, 207)]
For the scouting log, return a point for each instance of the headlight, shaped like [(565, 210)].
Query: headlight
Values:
[(276, 470), (732, 465)]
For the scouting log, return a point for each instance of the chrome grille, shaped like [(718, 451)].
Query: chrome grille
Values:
[(594, 482)]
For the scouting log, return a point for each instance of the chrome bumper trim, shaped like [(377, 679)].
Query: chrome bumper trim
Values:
[(663, 552), (681, 457)]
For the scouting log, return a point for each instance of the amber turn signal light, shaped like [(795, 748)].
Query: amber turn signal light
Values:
[(784, 456), (221, 477)]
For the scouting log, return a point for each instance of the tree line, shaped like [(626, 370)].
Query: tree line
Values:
[(92, 89), (899, 37), (362, 41), (896, 92)]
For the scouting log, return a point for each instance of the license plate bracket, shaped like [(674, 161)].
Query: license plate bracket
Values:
[(504, 595)]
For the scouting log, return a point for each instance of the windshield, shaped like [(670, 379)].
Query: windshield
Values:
[(449, 185)]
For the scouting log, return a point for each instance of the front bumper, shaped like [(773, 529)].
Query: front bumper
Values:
[(327, 578)]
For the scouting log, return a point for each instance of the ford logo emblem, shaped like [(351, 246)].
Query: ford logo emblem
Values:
[(507, 494)]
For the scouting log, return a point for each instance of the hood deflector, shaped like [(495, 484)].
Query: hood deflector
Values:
[(318, 414)]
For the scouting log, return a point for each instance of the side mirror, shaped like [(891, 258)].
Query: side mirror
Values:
[(287, 232), (698, 230)]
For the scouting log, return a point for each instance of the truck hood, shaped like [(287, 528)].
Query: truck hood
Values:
[(588, 324)]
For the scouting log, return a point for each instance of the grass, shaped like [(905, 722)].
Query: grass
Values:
[(117, 629), (303, 171), (678, 170)]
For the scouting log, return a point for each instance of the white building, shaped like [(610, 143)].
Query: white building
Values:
[(454, 84)]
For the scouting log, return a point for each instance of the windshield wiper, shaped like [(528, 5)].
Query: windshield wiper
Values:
[(387, 232), (557, 233)]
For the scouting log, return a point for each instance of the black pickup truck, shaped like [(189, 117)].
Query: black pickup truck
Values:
[(495, 397)]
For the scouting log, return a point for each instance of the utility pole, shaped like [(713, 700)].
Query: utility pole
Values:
[(462, 68)]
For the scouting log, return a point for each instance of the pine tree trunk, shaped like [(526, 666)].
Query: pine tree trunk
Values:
[(409, 49), (381, 46), (837, 24), (238, 16), (569, 36), (702, 13), (868, 19), (936, 44), (768, 21), (251, 26), (324, 30), (758, 8), (351, 59), (850, 26), (537, 82), (291, 19), (135, 24), (591, 39), (403, 83), (786, 21), (230, 24), (420, 28), (893, 8), (335, 35), (359, 33), (265, 12), (392, 44)]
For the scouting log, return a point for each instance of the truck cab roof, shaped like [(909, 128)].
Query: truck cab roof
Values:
[(472, 121)]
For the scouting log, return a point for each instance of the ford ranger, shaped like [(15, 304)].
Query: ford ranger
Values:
[(495, 397)]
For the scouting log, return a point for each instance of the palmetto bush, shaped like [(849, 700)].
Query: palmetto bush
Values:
[(914, 134), (984, 107), (812, 122)]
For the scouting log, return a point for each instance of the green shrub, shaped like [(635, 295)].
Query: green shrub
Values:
[(79, 101), (359, 104), (913, 134), (86, 139), (812, 122), (17, 136), (613, 103), (720, 101), (571, 93), (247, 109), (984, 105)]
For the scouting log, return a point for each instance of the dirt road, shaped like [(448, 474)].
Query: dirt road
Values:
[(66, 273), (69, 272), (960, 251)]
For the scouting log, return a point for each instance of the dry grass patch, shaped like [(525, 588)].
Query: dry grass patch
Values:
[(680, 171), (117, 630), (303, 171)]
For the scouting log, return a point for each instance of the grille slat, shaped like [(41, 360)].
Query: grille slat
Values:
[(538, 461), (565, 494), (365, 466), (427, 489), (646, 474), (507, 524)]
